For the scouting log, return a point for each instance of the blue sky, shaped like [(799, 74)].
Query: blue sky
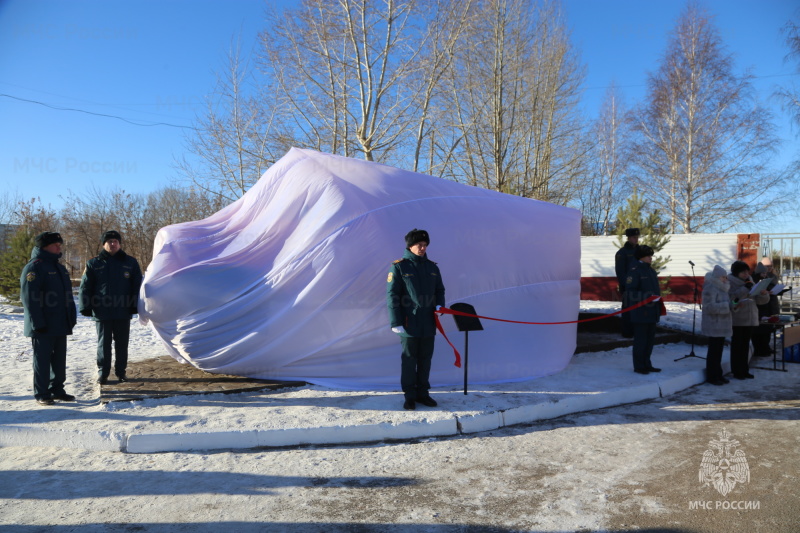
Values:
[(154, 61)]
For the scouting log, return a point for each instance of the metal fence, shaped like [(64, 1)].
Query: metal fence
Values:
[(784, 250)]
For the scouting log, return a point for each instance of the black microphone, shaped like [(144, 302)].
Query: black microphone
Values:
[(691, 263)]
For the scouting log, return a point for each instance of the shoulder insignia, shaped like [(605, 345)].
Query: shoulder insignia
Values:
[(395, 262), (390, 278), (30, 277)]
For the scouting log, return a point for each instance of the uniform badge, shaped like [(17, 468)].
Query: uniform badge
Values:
[(126, 274), (390, 278), (630, 279), (30, 277)]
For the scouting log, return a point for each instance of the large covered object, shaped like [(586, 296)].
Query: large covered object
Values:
[(289, 282)]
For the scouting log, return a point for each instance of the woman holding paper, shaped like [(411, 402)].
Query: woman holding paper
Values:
[(745, 316)]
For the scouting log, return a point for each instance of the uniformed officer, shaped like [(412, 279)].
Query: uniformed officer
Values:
[(623, 261), (46, 294), (640, 284), (414, 291), (110, 293)]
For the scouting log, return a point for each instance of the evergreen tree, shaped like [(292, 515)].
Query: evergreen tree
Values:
[(632, 215), (13, 260)]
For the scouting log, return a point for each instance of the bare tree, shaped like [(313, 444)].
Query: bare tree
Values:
[(603, 192), (234, 142), (790, 95), (342, 69), (9, 201), (703, 140), (84, 219), (514, 95)]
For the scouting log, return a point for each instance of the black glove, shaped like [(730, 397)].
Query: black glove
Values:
[(86, 312), (748, 284), (40, 331)]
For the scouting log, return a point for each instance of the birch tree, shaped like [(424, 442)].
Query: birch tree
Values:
[(514, 95), (237, 138), (343, 70), (790, 95), (703, 141), (605, 189)]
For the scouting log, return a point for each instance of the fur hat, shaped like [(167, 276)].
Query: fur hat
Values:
[(719, 272), (760, 268), (110, 234), (632, 232), (643, 251), (738, 267), (417, 235), (47, 238)]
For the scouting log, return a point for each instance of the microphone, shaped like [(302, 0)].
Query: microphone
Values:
[(691, 263)]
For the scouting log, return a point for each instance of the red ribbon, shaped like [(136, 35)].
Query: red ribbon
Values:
[(448, 311)]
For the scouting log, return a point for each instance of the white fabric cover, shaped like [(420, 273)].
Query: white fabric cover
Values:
[(289, 282)]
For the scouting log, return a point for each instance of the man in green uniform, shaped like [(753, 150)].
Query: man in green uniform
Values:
[(624, 259), (46, 294), (414, 291), (110, 293), (641, 283)]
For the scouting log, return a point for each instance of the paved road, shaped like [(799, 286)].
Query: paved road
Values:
[(624, 468)]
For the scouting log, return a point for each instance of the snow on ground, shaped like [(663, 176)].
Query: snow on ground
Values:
[(305, 407), (634, 467)]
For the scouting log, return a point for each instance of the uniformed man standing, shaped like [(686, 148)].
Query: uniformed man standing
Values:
[(623, 261), (642, 283), (414, 292), (46, 294), (110, 293)]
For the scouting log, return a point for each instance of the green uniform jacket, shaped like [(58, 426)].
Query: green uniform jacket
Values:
[(413, 290), (110, 286), (642, 283), (46, 294)]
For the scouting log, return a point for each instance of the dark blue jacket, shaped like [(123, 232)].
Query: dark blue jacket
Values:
[(624, 259), (413, 290), (46, 294), (110, 286), (641, 283)]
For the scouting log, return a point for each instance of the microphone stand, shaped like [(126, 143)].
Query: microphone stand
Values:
[(694, 318)]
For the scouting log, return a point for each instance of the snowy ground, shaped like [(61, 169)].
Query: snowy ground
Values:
[(255, 419), (621, 468)]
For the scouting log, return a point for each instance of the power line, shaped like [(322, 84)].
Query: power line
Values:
[(57, 108)]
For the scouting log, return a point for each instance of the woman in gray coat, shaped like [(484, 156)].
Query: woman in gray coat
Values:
[(716, 322), (745, 317)]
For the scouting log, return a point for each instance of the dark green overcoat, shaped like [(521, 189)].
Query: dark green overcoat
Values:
[(640, 284), (413, 290), (110, 286), (46, 294)]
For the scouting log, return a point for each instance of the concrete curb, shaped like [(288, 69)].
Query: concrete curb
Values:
[(333, 435)]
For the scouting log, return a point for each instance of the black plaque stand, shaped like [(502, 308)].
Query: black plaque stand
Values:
[(694, 317), (466, 324)]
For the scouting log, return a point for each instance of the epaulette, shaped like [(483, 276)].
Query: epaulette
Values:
[(395, 262)]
